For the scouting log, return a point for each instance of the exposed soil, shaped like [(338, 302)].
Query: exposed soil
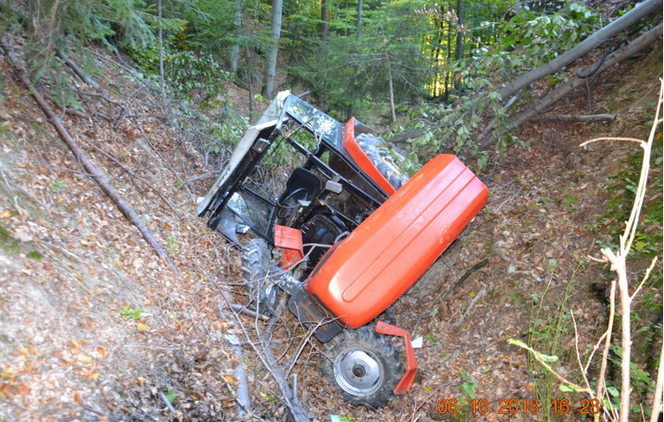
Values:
[(70, 263)]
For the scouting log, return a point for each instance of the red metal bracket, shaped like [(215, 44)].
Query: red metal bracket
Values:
[(290, 240), (411, 363)]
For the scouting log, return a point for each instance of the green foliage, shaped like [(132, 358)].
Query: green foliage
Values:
[(466, 393), (57, 184), (640, 381), (540, 37), (171, 243), (527, 40), (128, 313), (170, 396), (7, 243), (622, 188), (546, 339), (350, 76), (34, 255), (189, 74)]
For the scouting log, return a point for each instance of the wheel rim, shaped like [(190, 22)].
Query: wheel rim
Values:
[(358, 371)]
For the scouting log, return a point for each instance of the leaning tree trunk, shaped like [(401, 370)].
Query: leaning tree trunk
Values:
[(642, 10), (563, 90), (271, 65), (91, 170)]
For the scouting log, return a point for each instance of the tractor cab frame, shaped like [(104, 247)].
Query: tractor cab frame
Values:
[(242, 199)]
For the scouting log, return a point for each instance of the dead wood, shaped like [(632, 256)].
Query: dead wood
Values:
[(243, 310), (270, 362), (642, 10), (487, 130), (242, 399), (563, 90), (477, 297), (442, 295), (123, 113), (79, 72), (581, 117), (401, 138), (133, 176), (23, 76)]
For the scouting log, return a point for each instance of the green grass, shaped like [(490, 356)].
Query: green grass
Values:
[(547, 337), (7, 243)]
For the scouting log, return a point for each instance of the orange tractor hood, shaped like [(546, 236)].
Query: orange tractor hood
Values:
[(370, 269)]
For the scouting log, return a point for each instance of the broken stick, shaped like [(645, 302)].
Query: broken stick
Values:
[(129, 213)]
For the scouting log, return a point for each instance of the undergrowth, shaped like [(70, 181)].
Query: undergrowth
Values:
[(549, 336)]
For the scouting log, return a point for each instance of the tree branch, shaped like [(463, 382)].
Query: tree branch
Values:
[(94, 173)]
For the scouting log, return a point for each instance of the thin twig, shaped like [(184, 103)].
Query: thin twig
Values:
[(578, 354)]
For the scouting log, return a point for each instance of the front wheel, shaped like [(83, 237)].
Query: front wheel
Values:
[(363, 366), (257, 284)]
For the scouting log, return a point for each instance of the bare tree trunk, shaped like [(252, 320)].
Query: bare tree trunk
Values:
[(237, 23), (616, 57), (359, 19), (642, 10), (625, 301), (271, 64), (581, 117), (389, 79), (161, 55), (459, 42), (449, 59), (88, 166), (79, 72), (657, 402), (325, 18)]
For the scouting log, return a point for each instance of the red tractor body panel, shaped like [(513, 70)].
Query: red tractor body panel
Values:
[(394, 246), (362, 160)]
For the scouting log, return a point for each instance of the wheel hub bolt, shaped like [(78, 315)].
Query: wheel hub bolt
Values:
[(359, 371)]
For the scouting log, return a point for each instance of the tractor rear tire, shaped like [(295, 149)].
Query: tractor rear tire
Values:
[(363, 367), (387, 166), (256, 259)]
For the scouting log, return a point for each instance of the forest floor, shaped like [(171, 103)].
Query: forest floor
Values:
[(93, 327)]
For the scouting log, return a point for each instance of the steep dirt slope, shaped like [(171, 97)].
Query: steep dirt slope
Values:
[(74, 275), (93, 326), (527, 249)]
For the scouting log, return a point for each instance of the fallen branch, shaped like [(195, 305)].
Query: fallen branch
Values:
[(270, 363), (401, 138), (563, 90), (79, 72), (442, 295), (642, 10), (487, 130), (243, 310), (105, 96), (470, 307), (243, 401), (23, 76), (133, 175), (581, 117)]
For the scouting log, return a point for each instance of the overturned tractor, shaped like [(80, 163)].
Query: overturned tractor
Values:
[(343, 236)]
